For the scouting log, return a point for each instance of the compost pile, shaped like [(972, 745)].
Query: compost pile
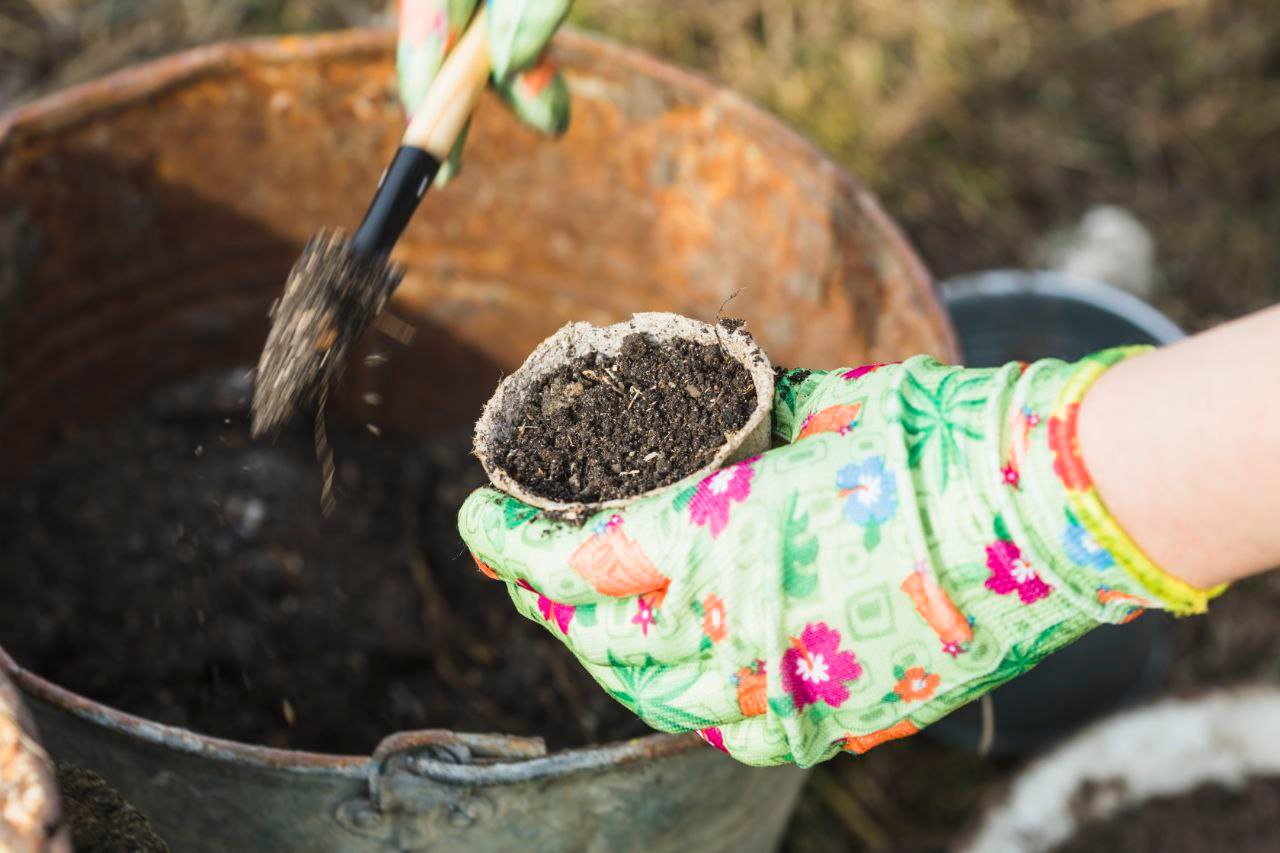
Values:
[(166, 565), (604, 427), (1211, 817)]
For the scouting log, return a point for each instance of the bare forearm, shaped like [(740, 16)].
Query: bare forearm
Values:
[(1183, 445)]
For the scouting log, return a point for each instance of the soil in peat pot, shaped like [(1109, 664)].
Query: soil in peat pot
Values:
[(101, 820), (166, 565), (606, 427), (1211, 817)]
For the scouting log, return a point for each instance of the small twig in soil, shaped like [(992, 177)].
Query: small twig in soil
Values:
[(324, 453), (449, 673), (988, 726), (482, 654), (850, 812), (569, 689), (395, 328), (435, 612), (486, 713), (720, 316), (865, 788), (727, 300)]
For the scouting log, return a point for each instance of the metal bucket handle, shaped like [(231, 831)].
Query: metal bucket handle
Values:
[(418, 779)]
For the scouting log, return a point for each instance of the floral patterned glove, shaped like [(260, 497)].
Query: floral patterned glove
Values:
[(519, 31), (925, 534)]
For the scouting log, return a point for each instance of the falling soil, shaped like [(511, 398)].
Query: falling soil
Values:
[(607, 427), (168, 566), (101, 820), (1210, 817), (331, 296)]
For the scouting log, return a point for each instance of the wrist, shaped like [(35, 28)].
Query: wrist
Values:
[(1051, 496)]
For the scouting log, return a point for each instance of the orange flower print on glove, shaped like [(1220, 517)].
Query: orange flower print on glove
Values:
[(858, 744), (753, 690), (616, 566), (837, 419), (936, 608)]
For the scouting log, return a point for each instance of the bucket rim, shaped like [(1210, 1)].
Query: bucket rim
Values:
[(557, 763), (1070, 288)]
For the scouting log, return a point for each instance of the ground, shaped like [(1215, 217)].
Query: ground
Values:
[(981, 126)]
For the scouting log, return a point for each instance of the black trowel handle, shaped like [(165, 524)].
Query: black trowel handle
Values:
[(403, 185), (428, 140)]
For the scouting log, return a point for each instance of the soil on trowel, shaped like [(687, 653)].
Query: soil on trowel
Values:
[(1211, 817), (168, 566), (606, 427), (101, 820)]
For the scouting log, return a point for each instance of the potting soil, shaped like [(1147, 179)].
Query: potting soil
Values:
[(607, 427), (166, 565), (1211, 817), (101, 820)]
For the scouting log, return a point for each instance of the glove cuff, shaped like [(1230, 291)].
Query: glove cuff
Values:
[(1047, 489)]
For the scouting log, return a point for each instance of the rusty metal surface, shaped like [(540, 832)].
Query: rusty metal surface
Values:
[(656, 793), (29, 811), (148, 219), (207, 172)]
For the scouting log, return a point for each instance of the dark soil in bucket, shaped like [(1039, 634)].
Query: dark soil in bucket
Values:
[(608, 427), (1211, 817), (166, 565), (101, 820)]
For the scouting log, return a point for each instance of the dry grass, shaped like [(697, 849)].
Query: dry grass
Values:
[(982, 125), (48, 44)]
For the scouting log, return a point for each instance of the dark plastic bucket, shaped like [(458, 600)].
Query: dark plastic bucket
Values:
[(1007, 315)]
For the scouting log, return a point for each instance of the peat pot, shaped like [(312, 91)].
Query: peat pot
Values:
[(147, 221)]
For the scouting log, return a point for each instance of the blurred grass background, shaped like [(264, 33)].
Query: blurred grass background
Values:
[(981, 124)]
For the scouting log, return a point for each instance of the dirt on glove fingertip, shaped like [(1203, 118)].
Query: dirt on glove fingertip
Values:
[(606, 427)]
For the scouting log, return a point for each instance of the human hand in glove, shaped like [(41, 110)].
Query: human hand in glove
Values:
[(923, 534), (519, 31)]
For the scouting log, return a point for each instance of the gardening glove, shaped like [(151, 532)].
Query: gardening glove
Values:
[(924, 534), (523, 73)]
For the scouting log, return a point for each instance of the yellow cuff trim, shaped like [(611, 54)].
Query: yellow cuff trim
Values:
[(1174, 594)]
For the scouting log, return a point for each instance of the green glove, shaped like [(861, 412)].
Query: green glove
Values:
[(524, 75), (925, 534)]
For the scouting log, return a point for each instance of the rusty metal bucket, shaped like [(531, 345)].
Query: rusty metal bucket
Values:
[(146, 222)]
